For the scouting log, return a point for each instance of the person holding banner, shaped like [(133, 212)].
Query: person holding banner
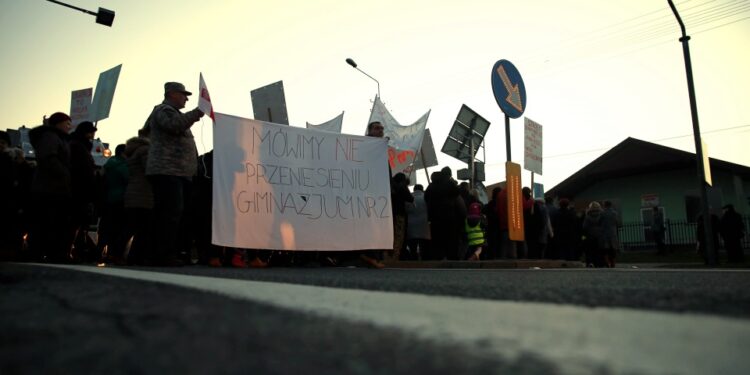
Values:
[(371, 257), (400, 196), (172, 163)]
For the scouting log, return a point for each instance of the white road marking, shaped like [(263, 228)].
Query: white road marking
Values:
[(577, 339)]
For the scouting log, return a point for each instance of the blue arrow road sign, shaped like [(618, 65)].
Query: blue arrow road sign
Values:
[(508, 87)]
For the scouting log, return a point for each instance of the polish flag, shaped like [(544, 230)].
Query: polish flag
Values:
[(204, 99)]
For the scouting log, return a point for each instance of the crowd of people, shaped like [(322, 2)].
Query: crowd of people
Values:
[(152, 204), (447, 220)]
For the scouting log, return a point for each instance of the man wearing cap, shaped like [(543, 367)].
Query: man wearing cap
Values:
[(172, 162)]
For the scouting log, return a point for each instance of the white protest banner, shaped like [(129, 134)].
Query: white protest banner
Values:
[(532, 155), (290, 188), (333, 125), (105, 92), (404, 141), (204, 99), (80, 101)]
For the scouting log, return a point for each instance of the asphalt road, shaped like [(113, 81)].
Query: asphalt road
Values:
[(57, 320)]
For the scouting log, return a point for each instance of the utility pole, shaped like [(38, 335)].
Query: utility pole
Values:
[(708, 230)]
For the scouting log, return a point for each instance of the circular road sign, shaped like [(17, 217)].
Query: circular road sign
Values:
[(508, 87)]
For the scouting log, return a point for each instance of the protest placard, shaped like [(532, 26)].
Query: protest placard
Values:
[(290, 188)]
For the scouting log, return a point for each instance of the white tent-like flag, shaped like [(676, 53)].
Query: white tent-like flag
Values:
[(404, 141), (333, 125), (204, 99)]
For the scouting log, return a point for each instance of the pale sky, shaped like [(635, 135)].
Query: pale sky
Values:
[(596, 72)]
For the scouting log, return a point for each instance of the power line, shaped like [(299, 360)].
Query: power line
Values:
[(598, 36), (713, 15), (696, 20), (653, 141), (604, 56), (594, 35)]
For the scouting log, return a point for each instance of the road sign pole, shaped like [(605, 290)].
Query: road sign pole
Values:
[(706, 216), (507, 138), (532, 193)]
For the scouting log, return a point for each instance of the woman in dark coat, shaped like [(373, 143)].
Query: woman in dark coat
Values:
[(444, 213), (732, 230), (593, 233), (49, 235), (84, 190)]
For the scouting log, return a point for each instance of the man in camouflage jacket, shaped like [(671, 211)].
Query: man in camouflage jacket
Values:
[(172, 162)]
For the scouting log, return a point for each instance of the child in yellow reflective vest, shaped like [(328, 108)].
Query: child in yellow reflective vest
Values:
[(474, 228)]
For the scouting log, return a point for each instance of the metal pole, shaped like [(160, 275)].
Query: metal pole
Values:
[(484, 152), (471, 166), (376, 81), (354, 65), (708, 230), (507, 137), (426, 173), (73, 7), (532, 193)]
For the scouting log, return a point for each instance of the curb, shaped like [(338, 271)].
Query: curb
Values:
[(486, 264)]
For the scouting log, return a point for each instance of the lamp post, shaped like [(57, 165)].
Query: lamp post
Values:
[(103, 17), (706, 217), (354, 65)]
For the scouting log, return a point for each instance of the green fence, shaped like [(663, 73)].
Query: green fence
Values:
[(679, 233)]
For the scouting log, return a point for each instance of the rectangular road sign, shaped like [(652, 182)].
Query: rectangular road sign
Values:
[(532, 154)]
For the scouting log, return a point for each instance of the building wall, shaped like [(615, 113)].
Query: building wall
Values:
[(671, 188)]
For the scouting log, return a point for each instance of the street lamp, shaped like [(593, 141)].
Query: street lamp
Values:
[(354, 65), (706, 217), (103, 17)]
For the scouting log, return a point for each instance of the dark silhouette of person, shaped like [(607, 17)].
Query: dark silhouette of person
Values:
[(701, 234), (116, 183), (493, 227), (593, 233), (84, 185), (567, 233), (138, 201), (50, 236), (417, 227), (445, 215), (657, 230), (732, 231)]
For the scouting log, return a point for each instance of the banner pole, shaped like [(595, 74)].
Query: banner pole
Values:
[(426, 173)]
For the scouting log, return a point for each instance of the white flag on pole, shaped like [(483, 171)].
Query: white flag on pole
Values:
[(204, 99)]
